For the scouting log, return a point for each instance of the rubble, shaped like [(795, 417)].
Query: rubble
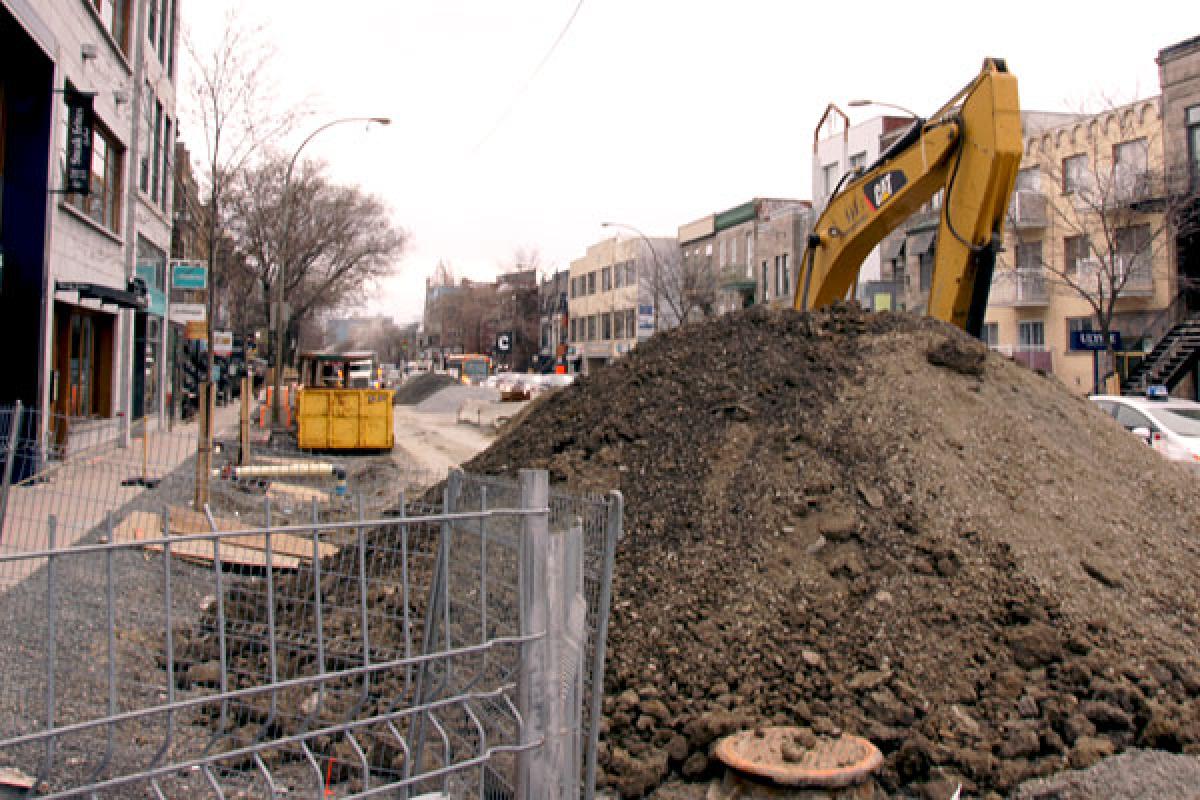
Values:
[(867, 523)]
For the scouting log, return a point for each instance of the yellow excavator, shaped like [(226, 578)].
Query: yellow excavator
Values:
[(971, 148)]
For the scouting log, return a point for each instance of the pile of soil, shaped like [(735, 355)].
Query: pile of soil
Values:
[(419, 387), (869, 523)]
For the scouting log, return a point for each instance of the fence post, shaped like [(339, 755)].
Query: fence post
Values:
[(244, 423), (612, 534), (203, 444), (543, 685), (10, 454)]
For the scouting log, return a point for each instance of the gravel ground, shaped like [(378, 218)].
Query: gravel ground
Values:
[(449, 399)]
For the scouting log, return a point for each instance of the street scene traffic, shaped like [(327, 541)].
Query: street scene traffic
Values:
[(593, 401)]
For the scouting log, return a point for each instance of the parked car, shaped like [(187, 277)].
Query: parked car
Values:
[(1168, 424)]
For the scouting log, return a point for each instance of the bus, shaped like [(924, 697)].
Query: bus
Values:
[(471, 368)]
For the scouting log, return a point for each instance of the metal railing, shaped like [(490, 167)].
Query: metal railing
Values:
[(1020, 287), (453, 643)]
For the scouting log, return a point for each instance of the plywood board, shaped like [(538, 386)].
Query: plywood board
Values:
[(288, 551), (297, 493)]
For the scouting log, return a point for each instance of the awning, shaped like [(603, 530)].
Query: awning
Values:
[(890, 248), (107, 295), (919, 243)]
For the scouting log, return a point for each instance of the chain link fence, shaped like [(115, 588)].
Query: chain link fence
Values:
[(391, 642)]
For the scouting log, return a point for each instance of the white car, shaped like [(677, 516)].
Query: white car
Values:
[(1169, 425)]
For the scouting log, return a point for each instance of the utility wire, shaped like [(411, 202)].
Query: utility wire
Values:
[(517, 95)]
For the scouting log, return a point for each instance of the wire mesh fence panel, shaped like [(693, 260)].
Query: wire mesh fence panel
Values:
[(285, 678)]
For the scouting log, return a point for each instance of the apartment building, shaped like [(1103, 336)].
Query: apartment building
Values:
[(841, 150), (611, 302), (752, 250), (87, 110), (1179, 79), (1086, 232), (553, 321)]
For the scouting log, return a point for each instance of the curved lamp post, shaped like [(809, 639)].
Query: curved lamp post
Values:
[(280, 322), (861, 103), (657, 263)]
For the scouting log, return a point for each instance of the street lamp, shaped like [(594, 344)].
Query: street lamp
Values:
[(280, 322), (861, 103), (657, 263)]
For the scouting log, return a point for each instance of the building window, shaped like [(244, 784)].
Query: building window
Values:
[(1029, 179), (152, 21), (618, 275), (1074, 173), (162, 32), (1075, 250), (708, 249), (991, 334), (606, 279), (606, 326), (156, 154), (749, 255), (1029, 255), (787, 283), (573, 334), (766, 281), (829, 177), (1193, 145), (171, 41), (166, 163), (630, 274), (591, 328), (925, 265), (1132, 155), (1031, 335), (858, 161), (114, 14), (591, 283), (103, 205), (618, 324), (1078, 325), (631, 323)]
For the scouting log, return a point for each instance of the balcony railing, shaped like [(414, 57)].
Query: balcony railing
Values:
[(735, 277), (1129, 187), (1035, 357), (1020, 288), (1129, 276), (1028, 209)]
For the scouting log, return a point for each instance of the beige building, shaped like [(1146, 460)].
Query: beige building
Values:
[(610, 298), (1086, 236)]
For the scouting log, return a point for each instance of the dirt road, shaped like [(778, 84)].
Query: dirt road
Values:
[(434, 441)]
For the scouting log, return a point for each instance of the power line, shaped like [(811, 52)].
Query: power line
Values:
[(517, 95)]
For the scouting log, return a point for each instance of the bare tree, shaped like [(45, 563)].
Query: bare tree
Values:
[(342, 240), (682, 286), (1104, 197)]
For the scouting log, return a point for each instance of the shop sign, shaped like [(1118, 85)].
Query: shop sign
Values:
[(188, 312), (189, 275), (196, 331), (156, 298), (222, 343), (79, 141)]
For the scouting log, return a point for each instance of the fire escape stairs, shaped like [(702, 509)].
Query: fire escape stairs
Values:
[(1173, 356)]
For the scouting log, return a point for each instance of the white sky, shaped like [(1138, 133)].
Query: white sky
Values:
[(651, 112)]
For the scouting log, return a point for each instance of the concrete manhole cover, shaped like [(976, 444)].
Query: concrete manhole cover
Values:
[(790, 756)]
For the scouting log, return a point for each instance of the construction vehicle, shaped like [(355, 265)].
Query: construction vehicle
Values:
[(971, 149), (341, 405)]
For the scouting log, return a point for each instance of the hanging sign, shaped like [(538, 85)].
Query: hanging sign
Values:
[(79, 141)]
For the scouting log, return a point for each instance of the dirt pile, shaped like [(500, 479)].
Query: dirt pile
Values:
[(420, 387), (869, 523)]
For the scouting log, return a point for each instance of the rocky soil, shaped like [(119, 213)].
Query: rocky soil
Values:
[(869, 523)]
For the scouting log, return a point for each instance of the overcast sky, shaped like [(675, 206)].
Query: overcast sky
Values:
[(650, 112)]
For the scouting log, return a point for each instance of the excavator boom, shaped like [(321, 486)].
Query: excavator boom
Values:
[(971, 148)]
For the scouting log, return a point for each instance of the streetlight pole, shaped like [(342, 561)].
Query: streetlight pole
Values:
[(285, 248), (862, 103), (657, 267)]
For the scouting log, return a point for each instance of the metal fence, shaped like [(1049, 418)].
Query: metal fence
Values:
[(452, 642)]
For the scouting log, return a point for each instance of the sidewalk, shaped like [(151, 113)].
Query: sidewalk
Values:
[(82, 489)]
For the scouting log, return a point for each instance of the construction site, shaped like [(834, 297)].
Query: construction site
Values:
[(840, 523)]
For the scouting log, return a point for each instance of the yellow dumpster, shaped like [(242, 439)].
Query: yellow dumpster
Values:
[(344, 419)]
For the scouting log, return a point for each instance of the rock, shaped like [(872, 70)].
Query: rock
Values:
[(627, 699), (812, 658), (677, 748), (632, 777), (1106, 576), (837, 526), (702, 730), (960, 354), (1106, 717), (872, 496), (695, 766), (1088, 751), (656, 709), (1027, 707), (1034, 645), (1020, 743), (206, 674)]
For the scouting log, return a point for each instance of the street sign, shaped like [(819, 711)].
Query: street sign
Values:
[(189, 275), (196, 331), (222, 343), (1094, 340), (188, 312), (504, 341)]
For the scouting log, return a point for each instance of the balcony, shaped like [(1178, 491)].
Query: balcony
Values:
[(1028, 209), (1020, 288), (1128, 276), (1034, 357), (1130, 188), (735, 277)]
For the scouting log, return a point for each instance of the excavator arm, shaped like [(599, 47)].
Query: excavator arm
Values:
[(971, 148)]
